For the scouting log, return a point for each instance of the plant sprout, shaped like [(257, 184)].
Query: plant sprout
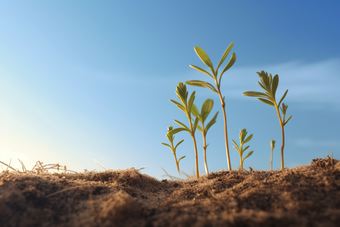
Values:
[(270, 84), (172, 147), (240, 148), (186, 106), (206, 60), (272, 144), (205, 111)]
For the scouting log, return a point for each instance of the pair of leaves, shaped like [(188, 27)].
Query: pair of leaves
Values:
[(186, 107), (243, 140), (269, 84), (172, 147), (284, 110), (205, 111), (171, 138), (206, 60)]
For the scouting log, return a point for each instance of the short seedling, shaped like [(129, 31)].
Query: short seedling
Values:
[(240, 149), (206, 60), (172, 147), (270, 84), (205, 111), (272, 144), (186, 106)]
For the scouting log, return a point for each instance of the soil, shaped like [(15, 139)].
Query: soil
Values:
[(301, 196)]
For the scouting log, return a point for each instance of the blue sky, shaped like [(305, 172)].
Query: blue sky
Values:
[(84, 80)]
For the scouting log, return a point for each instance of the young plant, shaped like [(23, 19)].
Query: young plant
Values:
[(172, 147), (272, 144), (214, 74), (186, 106), (270, 84), (240, 148), (205, 111)]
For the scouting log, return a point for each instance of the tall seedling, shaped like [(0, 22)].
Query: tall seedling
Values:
[(186, 106), (214, 74), (270, 84), (205, 111), (172, 147)]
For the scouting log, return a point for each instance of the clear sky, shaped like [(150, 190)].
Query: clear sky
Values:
[(85, 80)]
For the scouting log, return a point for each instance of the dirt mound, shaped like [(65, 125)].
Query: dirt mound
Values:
[(301, 196)]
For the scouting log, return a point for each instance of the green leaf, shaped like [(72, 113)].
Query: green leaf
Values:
[(250, 153), (191, 102), (199, 83), (287, 120), (266, 101), (165, 144), (201, 70), (194, 110), (195, 124), (255, 94), (199, 128), (206, 108), (244, 149), (204, 57), (177, 130), (261, 85), (170, 138), (179, 106), (225, 54), (211, 122), (265, 82), (275, 84), (181, 124), (249, 138), (230, 63), (284, 95), (181, 158), (270, 80), (178, 144), (237, 148)]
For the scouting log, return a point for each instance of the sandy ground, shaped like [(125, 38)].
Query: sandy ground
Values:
[(301, 196)]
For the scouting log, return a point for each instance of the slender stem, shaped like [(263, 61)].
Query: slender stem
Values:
[(271, 161), (225, 129), (283, 145), (196, 157), (241, 164), (283, 135), (195, 145), (176, 162), (205, 153)]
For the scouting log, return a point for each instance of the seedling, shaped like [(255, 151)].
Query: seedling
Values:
[(205, 111), (186, 106), (206, 60), (172, 147), (270, 85), (272, 145), (240, 148)]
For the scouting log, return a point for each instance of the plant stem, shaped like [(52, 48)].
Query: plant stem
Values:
[(225, 127), (241, 164), (196, 157), (271, 160), (195, 145), (176, 162), (205, 154), (283, 135)]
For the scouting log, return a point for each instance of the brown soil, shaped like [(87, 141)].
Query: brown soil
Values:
[(301, 196)]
